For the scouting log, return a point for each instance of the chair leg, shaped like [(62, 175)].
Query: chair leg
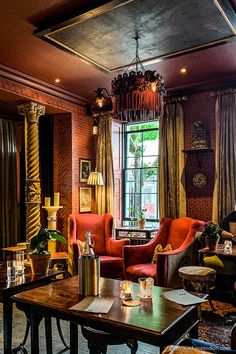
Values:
[(61, 334), (97, 348), (133, 347)]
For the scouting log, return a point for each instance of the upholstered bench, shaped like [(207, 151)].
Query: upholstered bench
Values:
[(199, 277)]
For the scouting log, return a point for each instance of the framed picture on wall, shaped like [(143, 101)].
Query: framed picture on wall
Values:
[(85, 169), (85, 199)]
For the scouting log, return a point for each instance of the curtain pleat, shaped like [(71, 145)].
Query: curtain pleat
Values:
[(104, 159), (172, 195), (224, 196), (8, 184)]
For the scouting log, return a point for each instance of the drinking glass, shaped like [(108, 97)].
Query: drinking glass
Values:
[(146, 287), (228, 247), (11, 270), (20, 256)]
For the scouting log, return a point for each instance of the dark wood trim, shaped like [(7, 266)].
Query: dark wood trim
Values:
[(34, 83)]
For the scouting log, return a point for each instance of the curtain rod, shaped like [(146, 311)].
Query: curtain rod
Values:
[(175, 99), (223, 92)]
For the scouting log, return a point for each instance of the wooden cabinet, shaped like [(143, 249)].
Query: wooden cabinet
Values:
[(136, 236)]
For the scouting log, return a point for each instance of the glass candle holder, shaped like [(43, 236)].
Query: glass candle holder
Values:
[(228, 247), (11, 270), (126, 288)]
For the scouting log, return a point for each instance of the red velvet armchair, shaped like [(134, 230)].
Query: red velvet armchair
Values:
[(109, 250), (180, 234)]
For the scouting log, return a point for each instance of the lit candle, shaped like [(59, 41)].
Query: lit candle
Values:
[(126, 289), (47, 201), (56, 199)]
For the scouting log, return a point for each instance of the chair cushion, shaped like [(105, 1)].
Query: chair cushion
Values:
[(111, 267), (159, 249), (141, 270)]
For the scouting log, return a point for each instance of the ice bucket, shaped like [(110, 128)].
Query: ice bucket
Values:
[(89, 275)]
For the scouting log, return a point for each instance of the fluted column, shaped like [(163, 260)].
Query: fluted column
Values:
[(32, 111)]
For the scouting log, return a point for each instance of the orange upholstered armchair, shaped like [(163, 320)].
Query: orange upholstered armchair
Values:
[(180, 235), (109, 250)]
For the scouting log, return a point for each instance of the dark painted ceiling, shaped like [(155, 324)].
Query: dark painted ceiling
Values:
[(168, 29)]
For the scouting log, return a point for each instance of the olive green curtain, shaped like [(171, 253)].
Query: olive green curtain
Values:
[(224, 196), (104, 163), (172, 196), (8, 184)]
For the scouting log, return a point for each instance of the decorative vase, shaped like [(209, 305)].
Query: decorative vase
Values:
[(141, 223), (212, 244), (39, 263)]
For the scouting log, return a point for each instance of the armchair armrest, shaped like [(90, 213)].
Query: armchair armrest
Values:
[(115, 247), (169, 262)]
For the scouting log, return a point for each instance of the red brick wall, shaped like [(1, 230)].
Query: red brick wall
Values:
[(199, 201)]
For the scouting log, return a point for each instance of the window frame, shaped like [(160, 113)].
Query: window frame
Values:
[(125, 168)]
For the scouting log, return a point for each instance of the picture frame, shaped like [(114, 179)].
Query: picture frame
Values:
[(85, 169), (85, 200)]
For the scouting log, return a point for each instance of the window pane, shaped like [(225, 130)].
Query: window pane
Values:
[(142, 126), (134, 162), (150, 161), (150, 143), (132, 175), (134, 145), (149, 202)]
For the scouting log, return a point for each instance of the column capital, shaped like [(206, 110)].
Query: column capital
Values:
[(31, 111)]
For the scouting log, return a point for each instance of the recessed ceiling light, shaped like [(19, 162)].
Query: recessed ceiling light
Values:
[(57, 80), (183, 70)]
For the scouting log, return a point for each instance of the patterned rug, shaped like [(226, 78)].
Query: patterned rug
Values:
[(216, 326)]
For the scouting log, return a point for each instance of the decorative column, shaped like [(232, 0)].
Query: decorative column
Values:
[(32, 111)]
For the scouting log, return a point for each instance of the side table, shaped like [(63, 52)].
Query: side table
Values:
[(199, 277), (136, 236)]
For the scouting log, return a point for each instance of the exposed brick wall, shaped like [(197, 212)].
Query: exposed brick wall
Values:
[(200, 107)]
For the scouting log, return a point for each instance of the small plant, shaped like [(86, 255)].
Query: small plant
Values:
[(132, 211), (39, 242), (212, 231)]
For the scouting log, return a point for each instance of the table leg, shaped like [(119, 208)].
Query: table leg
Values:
[(73, 338), (7, 325), (48, 333), (35, 321)]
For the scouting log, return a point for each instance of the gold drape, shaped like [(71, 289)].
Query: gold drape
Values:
[(104, 161), (172, 195), (224, 195), (8, 184)]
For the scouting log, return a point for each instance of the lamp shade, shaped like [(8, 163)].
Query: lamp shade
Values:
[(95, 178)]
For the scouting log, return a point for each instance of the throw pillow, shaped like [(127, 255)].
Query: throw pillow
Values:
[(159, 249)]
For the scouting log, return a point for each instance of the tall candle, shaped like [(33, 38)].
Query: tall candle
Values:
[(47, 201), (56, 199)]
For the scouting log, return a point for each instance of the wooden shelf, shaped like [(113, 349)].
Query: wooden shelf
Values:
[(195, 150)]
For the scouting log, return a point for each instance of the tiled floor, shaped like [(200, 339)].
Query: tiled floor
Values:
[(19, 323)]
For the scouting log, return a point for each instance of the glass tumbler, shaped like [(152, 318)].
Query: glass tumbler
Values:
[(146, 287), (228, 247), (20, 256), (11, 270)]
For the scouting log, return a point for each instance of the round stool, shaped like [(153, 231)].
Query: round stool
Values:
[(199, 277), (99, 340)]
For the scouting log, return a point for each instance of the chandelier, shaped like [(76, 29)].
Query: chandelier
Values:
[(137, 96)]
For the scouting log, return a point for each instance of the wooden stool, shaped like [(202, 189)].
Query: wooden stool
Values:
[(199, 277), (99, 340), (175, 349)]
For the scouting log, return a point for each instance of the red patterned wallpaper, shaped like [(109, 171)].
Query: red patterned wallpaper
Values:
[(200, 107)]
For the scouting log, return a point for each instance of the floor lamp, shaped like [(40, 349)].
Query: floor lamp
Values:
[(95, 179)]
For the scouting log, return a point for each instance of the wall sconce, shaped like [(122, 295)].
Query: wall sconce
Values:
[(100, 97)]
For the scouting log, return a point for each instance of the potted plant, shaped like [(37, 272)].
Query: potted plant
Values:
[(132, 212), (141, 218), (211, 235), (39, 256)]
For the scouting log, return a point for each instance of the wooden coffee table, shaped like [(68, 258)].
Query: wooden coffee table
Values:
[(24, 282), (158, 322)]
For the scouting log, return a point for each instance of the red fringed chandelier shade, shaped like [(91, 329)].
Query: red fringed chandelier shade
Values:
[(136, 96)]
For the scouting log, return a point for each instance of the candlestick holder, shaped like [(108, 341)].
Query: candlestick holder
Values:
[(52, 224)]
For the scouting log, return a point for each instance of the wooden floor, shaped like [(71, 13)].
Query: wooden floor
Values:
[(19, 330)]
